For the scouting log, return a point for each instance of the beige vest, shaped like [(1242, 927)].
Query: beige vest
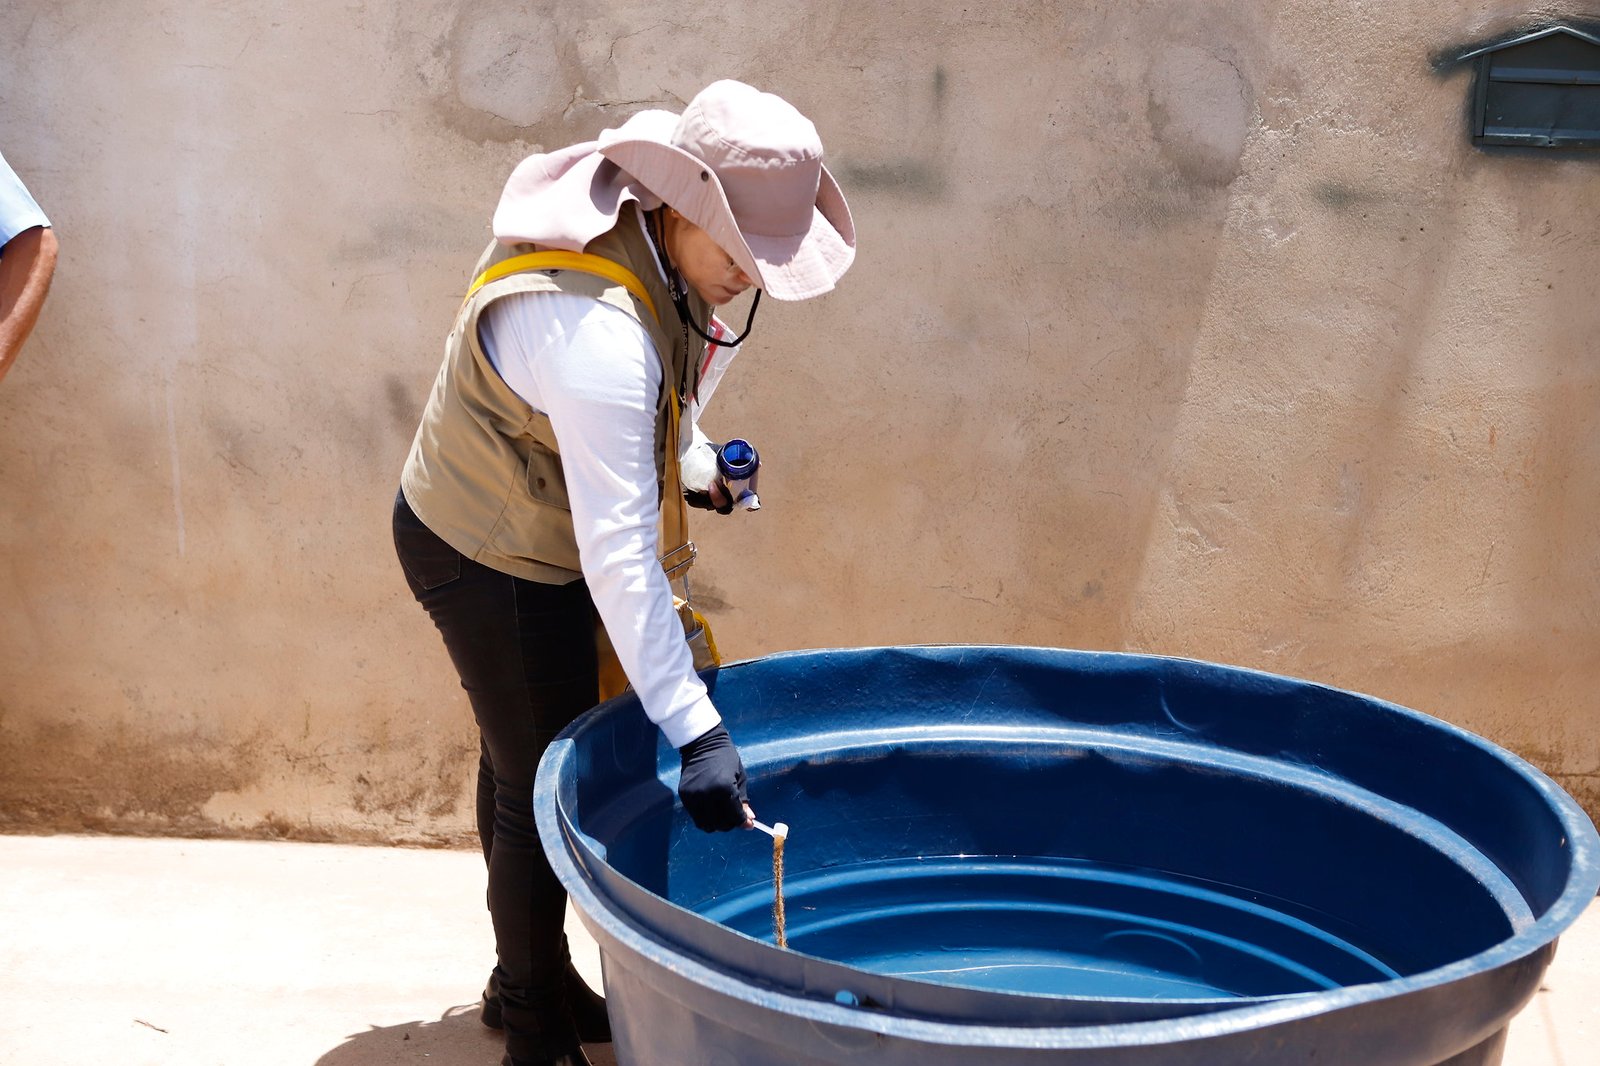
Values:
[(484, 471)]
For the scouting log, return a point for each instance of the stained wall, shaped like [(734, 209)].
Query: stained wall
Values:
[(1189, 327)]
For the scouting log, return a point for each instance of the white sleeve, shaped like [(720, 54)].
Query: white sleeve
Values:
[(594, 371), (697, 461)]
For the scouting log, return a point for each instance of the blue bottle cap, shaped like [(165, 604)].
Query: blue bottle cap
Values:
[(738, 459)]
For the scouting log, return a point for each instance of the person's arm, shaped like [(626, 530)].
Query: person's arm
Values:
[(26, 266), (592, 369), (599, 384)]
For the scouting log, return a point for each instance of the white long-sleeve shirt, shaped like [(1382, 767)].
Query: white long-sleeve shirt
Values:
[(592, 369)]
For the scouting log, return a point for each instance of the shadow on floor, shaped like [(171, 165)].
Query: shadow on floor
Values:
[(456, 1039)]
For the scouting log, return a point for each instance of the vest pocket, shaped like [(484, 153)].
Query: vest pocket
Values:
[(546, 481), (538, 525)]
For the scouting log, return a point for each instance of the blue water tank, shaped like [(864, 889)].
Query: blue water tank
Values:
[(1020, 855)]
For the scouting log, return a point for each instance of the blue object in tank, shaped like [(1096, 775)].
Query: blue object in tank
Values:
[(1009, 855)]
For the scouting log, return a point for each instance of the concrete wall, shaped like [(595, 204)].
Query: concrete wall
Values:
[(1194, 327)]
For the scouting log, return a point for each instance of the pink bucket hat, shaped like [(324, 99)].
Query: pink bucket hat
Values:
[(741, 164)]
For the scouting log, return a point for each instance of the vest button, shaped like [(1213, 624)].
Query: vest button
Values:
[(539, 481)]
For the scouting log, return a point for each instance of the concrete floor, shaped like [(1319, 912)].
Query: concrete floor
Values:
[(148, 952)]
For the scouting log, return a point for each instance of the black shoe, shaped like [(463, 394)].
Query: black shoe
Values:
[(489, 1004), (571, 1058), (588, 1008)]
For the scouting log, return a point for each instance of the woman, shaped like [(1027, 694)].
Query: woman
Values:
[(530, 500)]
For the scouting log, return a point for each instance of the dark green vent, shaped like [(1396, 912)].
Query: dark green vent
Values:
[(1541, 90)]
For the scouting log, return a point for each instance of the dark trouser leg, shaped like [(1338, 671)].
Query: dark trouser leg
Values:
[(525, 655), (485, 799)]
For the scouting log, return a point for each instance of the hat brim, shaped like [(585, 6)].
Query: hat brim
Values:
[(798, 268), (567, 198), (795, 267)]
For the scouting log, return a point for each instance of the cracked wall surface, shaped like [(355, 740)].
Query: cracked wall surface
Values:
[(1189, 327)]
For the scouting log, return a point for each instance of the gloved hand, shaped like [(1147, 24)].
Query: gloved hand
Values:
[(715, 498), (702, 482), (712, 783)]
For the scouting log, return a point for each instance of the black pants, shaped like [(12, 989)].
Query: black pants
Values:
[(526, 655)]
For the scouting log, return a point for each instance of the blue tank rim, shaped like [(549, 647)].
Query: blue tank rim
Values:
[(1582, 883)]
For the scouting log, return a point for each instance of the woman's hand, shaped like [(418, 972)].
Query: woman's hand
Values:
[(711, 785), (703, 486), (714, 498)]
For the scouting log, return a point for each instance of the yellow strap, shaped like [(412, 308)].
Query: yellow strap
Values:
[(563, 260)]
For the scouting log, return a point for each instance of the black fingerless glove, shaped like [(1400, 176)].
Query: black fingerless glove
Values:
[(712, 783), (703, 501)]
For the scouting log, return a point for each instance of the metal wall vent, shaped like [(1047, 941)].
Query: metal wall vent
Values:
[(1539, 90)]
